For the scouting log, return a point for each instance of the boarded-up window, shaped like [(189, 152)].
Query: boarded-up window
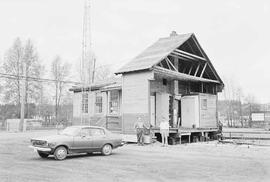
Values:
[(98, 103), (84, 102), (204, 104), (114, 102)]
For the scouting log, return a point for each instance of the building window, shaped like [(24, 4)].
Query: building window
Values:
[(84, 102), (114, 102), (98, 108), (204, 104)]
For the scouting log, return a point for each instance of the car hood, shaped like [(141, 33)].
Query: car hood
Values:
[(53, 138)]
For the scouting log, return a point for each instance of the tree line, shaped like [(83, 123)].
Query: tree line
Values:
[(48, 99), (22, 61), (235, 107)]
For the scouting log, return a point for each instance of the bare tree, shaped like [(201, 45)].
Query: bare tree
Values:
[(12, 64), (60, 71), (233, 95), (33, 69), (103, 72), (250, 99), (14, 59), (240, 97)]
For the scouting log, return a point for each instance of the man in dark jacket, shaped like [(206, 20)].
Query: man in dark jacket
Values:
[(139, 127)]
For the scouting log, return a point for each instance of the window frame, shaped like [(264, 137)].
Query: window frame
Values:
[(85, 103), (100, 104), (109, 103), (102, 132)]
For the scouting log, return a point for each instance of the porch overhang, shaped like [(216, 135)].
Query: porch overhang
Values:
[(180, 76)]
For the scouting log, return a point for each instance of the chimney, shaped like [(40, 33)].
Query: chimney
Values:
[(173, 34)]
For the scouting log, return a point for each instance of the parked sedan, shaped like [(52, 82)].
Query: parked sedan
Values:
[(77, 139)]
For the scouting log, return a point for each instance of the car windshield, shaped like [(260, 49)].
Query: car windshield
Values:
[(71, 131)]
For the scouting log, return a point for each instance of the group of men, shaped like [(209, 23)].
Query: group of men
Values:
[(164, 130)]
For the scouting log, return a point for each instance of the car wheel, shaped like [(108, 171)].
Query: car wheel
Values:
[(106, 149), (43, 155), (60, 153)]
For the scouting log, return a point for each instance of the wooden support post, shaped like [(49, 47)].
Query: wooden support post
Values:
[(201, 87), (190, 69), (203, 69), (197, 69), (176, 92)]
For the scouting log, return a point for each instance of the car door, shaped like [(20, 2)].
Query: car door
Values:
[(98, 138), (83, 141)]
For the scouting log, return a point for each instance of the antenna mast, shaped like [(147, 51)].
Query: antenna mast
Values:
[(88, 60)]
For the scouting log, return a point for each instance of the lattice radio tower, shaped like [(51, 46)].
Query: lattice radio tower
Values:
[(88, 59)]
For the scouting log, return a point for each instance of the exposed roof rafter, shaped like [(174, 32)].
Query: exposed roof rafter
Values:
[(189, 54), (169, 61), (203, 70)]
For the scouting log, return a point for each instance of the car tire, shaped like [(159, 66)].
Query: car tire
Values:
[(106, 149), (42, 154), (60, 153)]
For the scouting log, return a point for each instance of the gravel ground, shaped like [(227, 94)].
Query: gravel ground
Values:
[(191, 162)]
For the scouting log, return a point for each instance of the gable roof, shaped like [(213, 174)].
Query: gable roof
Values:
[(155, 53), (159, 51)]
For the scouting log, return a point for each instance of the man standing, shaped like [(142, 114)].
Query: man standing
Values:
[(164, 131), (139, 127)]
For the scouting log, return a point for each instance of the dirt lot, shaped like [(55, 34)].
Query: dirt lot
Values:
[(192, 162)]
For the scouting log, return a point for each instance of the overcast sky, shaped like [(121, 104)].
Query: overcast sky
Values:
[(235, 34)]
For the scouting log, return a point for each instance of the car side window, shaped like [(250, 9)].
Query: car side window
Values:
[(96, 132), (85, 132)]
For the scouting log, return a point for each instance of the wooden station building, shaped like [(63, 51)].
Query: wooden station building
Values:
[(173, 78)]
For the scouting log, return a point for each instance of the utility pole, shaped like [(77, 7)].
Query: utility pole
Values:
[(22, 123), (250, 115)]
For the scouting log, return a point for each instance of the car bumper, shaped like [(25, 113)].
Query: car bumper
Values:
[(43, 149), (121, 144)]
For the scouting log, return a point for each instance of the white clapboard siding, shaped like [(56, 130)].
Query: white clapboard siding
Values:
[(77, 101), (91, 103), (136, 92)]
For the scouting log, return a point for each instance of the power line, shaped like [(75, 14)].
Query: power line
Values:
[(20, 77)]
